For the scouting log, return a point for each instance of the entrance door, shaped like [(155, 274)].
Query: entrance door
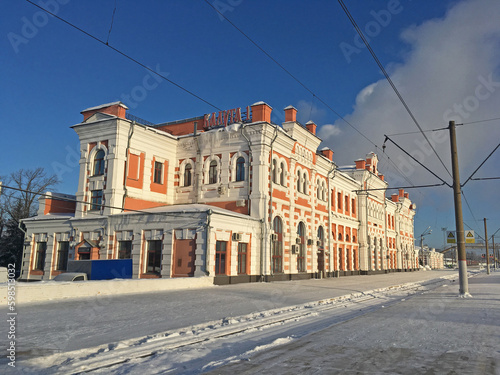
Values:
[(184, 256)]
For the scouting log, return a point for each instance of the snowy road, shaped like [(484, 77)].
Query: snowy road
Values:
[(265, 319), (70, 325)]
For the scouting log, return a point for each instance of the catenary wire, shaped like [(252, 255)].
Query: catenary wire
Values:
[(66, 199), (289, 73), (305, 86), (195, 95), (401, 187), (126, 56), (477, 122), (425, 131), (427, 169), (485, 178), (111, 26), (390, 80), (480, 165)]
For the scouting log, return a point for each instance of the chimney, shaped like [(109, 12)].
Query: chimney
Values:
[(395, 197), (290, 114), (327, 153), (117, 109), (407, 195), (401, 193), (381, 176), (311, 126), (360, 164), (261, 112)]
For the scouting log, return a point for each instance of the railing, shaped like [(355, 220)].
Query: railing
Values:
[(139, 120)]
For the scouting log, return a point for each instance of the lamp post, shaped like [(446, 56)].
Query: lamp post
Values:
[(424, 233)]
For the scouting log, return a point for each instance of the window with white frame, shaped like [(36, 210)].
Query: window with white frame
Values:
[(212, 172), (99, 163), (240, 169)]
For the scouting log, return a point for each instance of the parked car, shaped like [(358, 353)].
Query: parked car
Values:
[(71, 276)]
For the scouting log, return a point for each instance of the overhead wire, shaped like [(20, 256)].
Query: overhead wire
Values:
[(125, 55), (422, 165), (74, 200), (111, 26), (477, 122), (304, 86), (425, 131), (288, 72), (388, 78), (480, 165)]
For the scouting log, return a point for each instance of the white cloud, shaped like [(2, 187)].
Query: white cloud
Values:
[(310, 111), (450, 72)]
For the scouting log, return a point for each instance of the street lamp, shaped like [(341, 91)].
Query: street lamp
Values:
[(424, 233)]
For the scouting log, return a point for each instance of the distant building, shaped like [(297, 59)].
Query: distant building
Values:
[(432, 258), (227, 194)]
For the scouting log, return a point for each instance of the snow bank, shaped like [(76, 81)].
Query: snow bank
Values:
[(44, 291)]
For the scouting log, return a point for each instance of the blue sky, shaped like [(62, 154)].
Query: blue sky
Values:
[(442, 56)]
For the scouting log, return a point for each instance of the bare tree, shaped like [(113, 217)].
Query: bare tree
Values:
[(30, 183), (19, 203)]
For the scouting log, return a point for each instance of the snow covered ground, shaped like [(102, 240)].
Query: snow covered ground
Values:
[(363, 324)]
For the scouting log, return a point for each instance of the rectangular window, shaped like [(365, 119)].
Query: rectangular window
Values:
[(339, 201), (242, 258), (353, 206), (96, 200), (124, 249), (347, 203), (220, 257), (158, 173), (41, 249), (153, 262), (62, 256)]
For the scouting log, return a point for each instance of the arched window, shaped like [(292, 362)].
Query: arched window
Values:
[(324, 190), (301, 261), (99, 163), (340, 236), (277, 246), (353, 238), (299, 185), (240, 169), (347, 237), (318, 190), (212, 172), (304, 189), (282, 174), (187, 175)]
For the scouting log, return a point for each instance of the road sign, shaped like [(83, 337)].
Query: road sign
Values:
[(450, 237), (469, 236)]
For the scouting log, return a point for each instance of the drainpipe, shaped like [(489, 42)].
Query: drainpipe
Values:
[(398, 239), (369, 250), (130, 133), (249, 163), (330, 216), (385, 233), (196, 183), (207, 263), (268, 224)]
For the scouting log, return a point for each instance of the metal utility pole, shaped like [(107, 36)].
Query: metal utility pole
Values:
[(487, 251), (457, 195)]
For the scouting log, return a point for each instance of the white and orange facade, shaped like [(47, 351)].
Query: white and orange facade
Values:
[(227, 194)]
